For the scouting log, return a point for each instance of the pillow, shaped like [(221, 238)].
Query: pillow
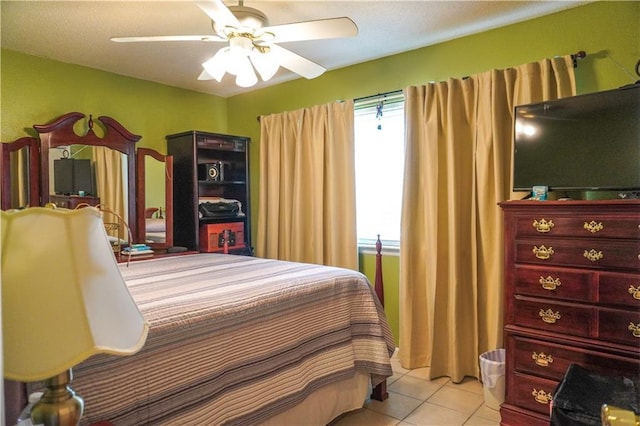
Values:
[(155, 225)]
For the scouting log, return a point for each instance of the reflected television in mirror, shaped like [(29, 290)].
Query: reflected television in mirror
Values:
[(73, 176)]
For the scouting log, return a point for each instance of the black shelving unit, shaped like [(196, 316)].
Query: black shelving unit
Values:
[(209, 165)]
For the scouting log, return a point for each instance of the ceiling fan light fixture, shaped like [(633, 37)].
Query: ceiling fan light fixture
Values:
[(264, 38), (241, 43), (215, 67), (247, 76), (236, 62), (266, 63)]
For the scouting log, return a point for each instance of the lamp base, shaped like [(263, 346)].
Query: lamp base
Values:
[(59, 405)]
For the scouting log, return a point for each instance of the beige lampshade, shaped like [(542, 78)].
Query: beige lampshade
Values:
[(63, 296)]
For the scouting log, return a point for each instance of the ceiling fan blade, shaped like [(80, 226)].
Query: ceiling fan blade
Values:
[(313, 30), (296, 63), (168, 38), (219, 13)]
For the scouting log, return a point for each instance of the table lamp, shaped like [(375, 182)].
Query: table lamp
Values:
[(63, 300)]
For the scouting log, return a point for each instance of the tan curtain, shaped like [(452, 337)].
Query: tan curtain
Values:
[(110, 184), (457, 168), (21, 177), (307, 186)]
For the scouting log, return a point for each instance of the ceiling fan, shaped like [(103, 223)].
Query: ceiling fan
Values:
[(252, 42)]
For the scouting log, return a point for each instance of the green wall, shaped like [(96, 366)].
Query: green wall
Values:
[(35, 90), (608, 31)]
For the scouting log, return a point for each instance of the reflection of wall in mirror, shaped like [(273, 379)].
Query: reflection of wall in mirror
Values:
[(155, 199), (154, 183)]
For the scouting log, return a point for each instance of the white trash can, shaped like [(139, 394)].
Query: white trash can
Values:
[(492, 369)]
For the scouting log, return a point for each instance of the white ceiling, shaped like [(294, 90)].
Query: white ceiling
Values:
[(79, 32)]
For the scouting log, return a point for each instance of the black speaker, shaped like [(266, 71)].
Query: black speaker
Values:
[(211, 171)]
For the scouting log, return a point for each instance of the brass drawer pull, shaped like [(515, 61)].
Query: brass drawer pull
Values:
[(634, 292), (542, 359), (550, 283), (543, 226), (593, 255), (634, 329), (549, 316), (593, 226), (542, 252), (541, 396)]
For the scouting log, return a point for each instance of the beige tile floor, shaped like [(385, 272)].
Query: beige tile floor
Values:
[(416, 400)]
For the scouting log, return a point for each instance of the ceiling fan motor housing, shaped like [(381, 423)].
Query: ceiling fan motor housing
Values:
[(251, 20)]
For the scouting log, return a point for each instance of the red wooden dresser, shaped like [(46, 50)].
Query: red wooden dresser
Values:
[(572, 295)]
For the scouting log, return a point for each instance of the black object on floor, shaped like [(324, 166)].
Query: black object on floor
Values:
[(176, 249), (579, 397)]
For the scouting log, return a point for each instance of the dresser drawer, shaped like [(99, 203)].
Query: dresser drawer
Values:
[(590, 253), (597, 226), (556, 318), (621, 326), (533, 393), (619, 289), (551, 360), (555, 283), (540, 358)]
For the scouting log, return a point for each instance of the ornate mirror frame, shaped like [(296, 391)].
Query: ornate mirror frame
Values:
[(60, 133), (6, 149)]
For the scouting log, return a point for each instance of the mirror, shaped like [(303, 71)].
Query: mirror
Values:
[(116, 149), (154, 198), (89, 175), (19, 168)]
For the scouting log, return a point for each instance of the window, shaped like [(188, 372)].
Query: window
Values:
[(379, 152)]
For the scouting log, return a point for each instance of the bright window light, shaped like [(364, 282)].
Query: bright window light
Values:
[(379, 169)]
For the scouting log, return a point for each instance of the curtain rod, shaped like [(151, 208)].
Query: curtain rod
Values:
[(393, 92), (575, 56), (378, 95)]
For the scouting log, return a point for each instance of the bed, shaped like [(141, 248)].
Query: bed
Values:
[(155, 225), (241, 340), (233, 340)]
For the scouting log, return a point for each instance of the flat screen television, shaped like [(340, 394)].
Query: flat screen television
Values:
[(581, 143), (72, 176)]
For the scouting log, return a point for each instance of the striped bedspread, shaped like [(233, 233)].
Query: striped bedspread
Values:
[(235, 340)]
